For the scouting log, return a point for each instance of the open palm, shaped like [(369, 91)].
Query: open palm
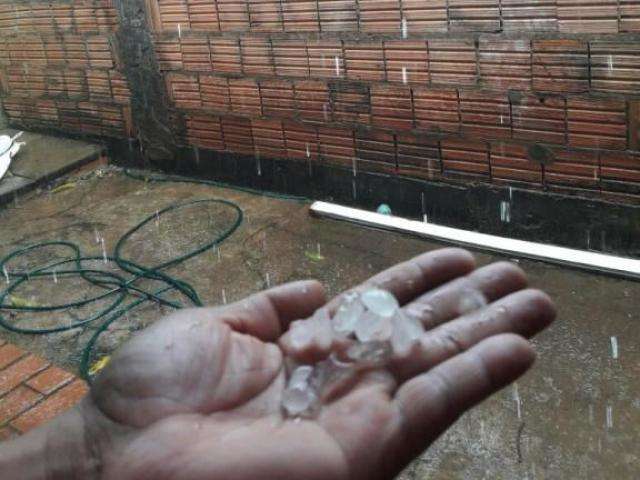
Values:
[(197, 395)]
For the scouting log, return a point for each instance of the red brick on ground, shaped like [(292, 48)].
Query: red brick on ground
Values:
[(50, 408), (20, 371), (9, 354), (50, 380), (16, 402), (32, 392)]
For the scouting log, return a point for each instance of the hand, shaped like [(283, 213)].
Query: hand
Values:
[(197, 395)]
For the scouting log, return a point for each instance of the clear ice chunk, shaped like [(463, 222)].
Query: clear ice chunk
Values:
[(300, 399), (470, 300), (373, 327), (407, 330), (379, 302), (348, 313), (374, 324), (330, 374), (369, 353)]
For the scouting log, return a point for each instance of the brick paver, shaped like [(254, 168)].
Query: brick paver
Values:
[(9, 354), (50, 380), (16, 402), (32, 392), (48, 409), (23, 369)]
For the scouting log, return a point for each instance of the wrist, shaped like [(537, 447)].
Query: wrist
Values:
[(72, 446)]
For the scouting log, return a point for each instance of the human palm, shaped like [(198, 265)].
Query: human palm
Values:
[(197, 395)]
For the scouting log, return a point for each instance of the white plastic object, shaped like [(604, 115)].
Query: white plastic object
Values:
[(5, 161), (5, 143), (9, 148)]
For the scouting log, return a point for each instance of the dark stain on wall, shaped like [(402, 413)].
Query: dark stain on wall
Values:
[(150, 108)]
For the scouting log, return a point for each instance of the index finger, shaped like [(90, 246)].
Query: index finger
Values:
[(413, 277)]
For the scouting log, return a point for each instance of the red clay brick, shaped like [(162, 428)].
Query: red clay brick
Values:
[(290, 58), (505, 64), (277, 98), (49, 380), (474, 15), (257, 58), (268, 138), (9, 354), (20, 371), (436, 110), (597, 123), (540, 119), (233, 15), (406, 61), (424, 16), (575, 168), (452, 62), (376, 150), (237, 136), (588, 16), (629, 16), (312, 100), (365, 61), (301, 141), (204, 131), (300, 15), (57, 403), (337, 146), (265, 15), (391, 107), (465, 158), (379, 16), (326, 59), (511, 162), (16, 402), (338, 15), (529, 15), (350, 102), (418, 156), (485, 114), (560, 66)]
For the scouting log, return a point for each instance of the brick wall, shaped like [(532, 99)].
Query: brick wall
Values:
[(58, 67), (538, 93), (542, 93)]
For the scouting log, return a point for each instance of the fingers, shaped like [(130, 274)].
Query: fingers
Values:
[(525, 313), (424, 272), (267, 314), (462, 294), (310, 341), (430, 403)]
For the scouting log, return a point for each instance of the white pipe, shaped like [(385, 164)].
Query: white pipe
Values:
[(627, 267)]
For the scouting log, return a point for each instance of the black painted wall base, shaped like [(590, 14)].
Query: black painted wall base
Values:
[(535, 216)]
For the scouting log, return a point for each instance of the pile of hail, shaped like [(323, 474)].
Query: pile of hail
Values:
[(373, 327)]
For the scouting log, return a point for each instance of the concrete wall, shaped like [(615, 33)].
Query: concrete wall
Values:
[(537, 93)]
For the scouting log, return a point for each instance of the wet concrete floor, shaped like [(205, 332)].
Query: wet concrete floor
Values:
[(41, 158), (576, 415)]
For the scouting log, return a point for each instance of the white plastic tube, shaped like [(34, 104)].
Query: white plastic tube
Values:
[(622, 266)]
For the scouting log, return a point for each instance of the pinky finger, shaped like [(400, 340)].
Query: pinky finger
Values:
[(429, 403)]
